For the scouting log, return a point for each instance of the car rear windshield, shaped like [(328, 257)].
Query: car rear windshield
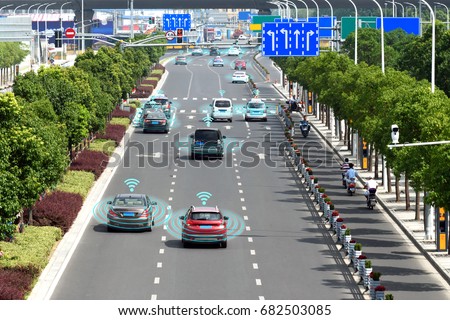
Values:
[(129, 202), (205, 216), (206, 135), (256, 105), (222, 104)]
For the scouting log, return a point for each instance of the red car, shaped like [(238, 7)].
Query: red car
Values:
[(240, 65), (204, 225)]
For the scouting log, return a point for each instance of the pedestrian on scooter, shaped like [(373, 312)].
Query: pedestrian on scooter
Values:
[(351, 172), (371, 184), (344, 167)]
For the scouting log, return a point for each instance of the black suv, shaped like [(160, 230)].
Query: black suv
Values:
[(207, 142), (213, 51)]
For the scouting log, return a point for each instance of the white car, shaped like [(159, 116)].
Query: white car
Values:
[(256, 110), (239, 76), (234, 51), (243, 37), (197, 51)]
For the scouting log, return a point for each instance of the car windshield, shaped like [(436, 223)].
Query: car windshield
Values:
[(205, 216), (222, 104), (206, 135), (161, 101), (258, 105), (129, 202)]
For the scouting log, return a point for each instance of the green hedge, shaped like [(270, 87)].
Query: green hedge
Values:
[(122, 121), (79, 182)]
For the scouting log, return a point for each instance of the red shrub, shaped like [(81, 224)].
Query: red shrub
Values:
[(58, 209), (14, 283), (145, 90), (113, 132), (123, 113), (91, 161), (139, 94), (159, 67)]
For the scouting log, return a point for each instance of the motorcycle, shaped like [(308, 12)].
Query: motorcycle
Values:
[(351, 186), (371, 198), (344, 180), (304, 128)]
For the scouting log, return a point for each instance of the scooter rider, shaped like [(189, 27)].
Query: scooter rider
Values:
[(371, 187), (350, 174), (344, 167), (305, 122)]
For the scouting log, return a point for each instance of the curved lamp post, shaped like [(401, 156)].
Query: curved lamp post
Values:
[(39, 33), (446, 8), (14, 11), (307, 9), (28, 12), (332, 24), (296, 9), (46, 36), (60, 14), (382, 35), (317, 13), (433, 44), (415, 8), (280, 13), (8, 5), (356, 32)]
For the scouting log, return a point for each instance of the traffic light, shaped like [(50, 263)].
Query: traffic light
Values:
[(179, 35), (58, 38), (151, 20)]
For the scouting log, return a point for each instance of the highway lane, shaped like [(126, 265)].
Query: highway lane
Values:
[(277, 248)]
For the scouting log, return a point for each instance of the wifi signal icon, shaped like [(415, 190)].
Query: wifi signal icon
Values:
[(207, 120), (221, 92), (204, 196), (132, 183)]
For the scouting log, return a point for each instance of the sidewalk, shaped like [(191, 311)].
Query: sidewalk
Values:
[(405, 219)]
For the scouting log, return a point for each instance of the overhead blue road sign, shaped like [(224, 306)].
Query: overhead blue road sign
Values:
[(409, 24), (244, 15), (284, 39), (176, 21), (325, 24), (284, 20)]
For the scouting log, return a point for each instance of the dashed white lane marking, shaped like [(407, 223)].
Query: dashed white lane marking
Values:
[(154, 297), (246, 123), (193, 111), (261, 156), (182, 111), (238, 177), (258, 282), (204, 111), (163, 238), (159, 265), (246, 218), (252, 252), (255, 266), (185, 98), (156, 280), (194, 98), (241, 191), (235, 165), (173, 182), (175, 98), (247, 228), (204, 99), (242, 199), (161, 251), (234, 99), (244, 99), (248, 137), (236, 170), (170, 198), (164, 227), (174, 176), (175, 170), (191, 117), (261, 298), (244, 208), (171, 190), (189, 126), (239, 184), (250, 239), (268, 128)]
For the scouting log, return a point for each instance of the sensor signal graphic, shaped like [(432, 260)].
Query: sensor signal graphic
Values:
[(132, 183), (207, 120), (204, 196)]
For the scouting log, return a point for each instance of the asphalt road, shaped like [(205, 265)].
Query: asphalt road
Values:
[(278, 248)]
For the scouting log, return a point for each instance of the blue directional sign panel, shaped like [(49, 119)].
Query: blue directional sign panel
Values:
[(176, 21), (409, 24), (284, 20), (324, 26), (284, 39), (244, 15)]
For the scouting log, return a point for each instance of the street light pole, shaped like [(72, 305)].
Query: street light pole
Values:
[(433, 45), (356, 32), (82, 27), (415, 8), (132, 19), (39, 33), (28, 12), (296, 9), (382, 35), (46, 36), (307, 9), (332, 24), (8, 5), (317, 13), (446, 8), (14, 11), (60, 14)]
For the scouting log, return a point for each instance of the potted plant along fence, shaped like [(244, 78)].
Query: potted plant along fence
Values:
[(357, 253), (389, 296), (360, 266), (338, 224), (374, 281), (341, 233), (347, 238), (379, 292), (351, 248), (367, 272)]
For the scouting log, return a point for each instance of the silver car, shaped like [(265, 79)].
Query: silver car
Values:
[(130, 211)]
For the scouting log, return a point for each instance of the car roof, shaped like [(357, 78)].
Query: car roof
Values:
[(223, 99), (131, 195), (256, 100), (207, 129), (203, 209)]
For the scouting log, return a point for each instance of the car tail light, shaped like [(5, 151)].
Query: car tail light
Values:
[(111, 212), (146, 120), (145, 214), (162, 121)]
